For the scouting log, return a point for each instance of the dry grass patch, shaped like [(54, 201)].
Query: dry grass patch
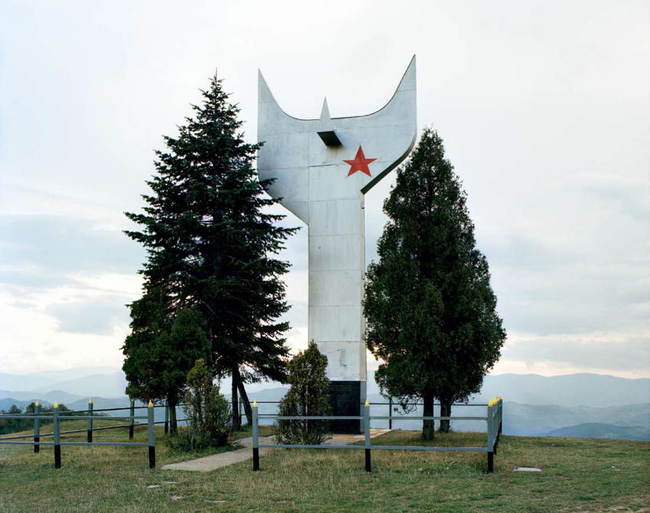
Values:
[(579, 475)]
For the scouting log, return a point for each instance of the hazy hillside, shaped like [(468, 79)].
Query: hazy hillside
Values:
[(569, 390), (519, 419), (573, 405), (96, 385), (7, 403), (48, 397), (47, 380), (526, 419), (595, 430)]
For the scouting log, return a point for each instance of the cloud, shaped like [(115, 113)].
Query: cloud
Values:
[(543, 109), (39, 247), (96, 317), (622, 352), (52, 328)]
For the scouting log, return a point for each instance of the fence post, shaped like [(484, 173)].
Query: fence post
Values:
[(497, 421), (89, 423), (37, 426), (256, 450), (166, 417), (498, 424), (131, 414), (493, 404), (390, 412), (57, 436), (500, 416), (495, 427), (366, 430), (151, 436)]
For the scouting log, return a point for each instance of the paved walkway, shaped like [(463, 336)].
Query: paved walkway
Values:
[(223, 459)]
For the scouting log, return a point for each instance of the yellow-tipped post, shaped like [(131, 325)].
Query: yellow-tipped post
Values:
[(151, 436), (57, 436), (89, 422), (366, 433), (256, 450), (37, 426), (494, 429)]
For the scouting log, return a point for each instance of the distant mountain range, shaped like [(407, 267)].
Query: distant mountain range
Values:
[(47, 380), (550, 420), (588, 405), (89, 382), (570, 390), (597, 430)]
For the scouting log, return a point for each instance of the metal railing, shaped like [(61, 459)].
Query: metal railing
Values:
[(494, 420), (93, 413), (392, 408), (56, 416)]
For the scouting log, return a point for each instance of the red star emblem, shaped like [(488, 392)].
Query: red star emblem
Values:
[(360, 163)]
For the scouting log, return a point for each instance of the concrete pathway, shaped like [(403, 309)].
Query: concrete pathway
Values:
[(223, 459), (350, 439)]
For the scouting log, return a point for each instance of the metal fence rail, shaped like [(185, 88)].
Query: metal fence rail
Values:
[(56, 417), (494, 421), (391, 403), (92, 414)]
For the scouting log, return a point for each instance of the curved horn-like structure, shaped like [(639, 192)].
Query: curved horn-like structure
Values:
[(322, 168), (294, 154)]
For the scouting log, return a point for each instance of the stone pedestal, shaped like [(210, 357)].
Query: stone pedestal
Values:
[(347, 398)]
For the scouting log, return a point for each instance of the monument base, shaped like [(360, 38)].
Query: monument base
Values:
[(346, 399)]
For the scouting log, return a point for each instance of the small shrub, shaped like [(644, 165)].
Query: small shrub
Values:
[(308, 395), (207, 411)]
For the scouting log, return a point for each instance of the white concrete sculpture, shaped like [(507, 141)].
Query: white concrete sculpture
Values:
[(322, 169)]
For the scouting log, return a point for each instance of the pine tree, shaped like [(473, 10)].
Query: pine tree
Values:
[(430, 310), (308, 396), (211, 243)]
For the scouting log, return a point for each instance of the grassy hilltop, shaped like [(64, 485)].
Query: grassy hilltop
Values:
[(586, 475)]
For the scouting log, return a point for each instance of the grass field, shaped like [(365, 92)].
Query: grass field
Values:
[(585, 475)]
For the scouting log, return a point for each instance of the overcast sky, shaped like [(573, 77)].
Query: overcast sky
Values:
[(543, 107)]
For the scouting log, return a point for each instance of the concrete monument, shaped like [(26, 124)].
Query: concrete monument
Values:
[(322, 169)]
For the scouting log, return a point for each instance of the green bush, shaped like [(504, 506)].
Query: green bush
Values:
[(207, 411), (308, 396)]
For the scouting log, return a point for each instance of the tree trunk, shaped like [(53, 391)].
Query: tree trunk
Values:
[(428, 426), (236, 420), (173, 424), (244, 396), (445, 411)]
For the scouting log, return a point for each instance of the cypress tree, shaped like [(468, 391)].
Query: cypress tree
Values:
[(212, 243), (431, 313), (308, 396)]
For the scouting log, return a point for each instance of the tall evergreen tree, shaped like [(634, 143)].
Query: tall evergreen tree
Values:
[(431, 313), (212, 243)]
